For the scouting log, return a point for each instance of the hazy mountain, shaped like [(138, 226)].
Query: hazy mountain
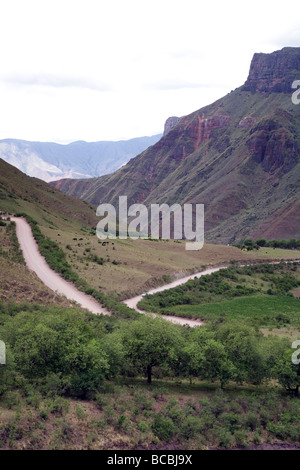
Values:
[(50, 161), (239, 156)]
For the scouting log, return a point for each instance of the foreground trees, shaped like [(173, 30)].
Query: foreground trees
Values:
[(59, 344), (71, 352), (150, 342)]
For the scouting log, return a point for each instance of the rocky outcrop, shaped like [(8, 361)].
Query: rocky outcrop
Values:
[(170, 123), (247, 121), (274, 73), (201, 127), (272, 143)]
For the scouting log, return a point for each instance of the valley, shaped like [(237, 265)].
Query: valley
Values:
[(211, 366)]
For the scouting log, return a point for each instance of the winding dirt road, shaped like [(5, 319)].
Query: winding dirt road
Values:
[(36, 262), (180, 320)]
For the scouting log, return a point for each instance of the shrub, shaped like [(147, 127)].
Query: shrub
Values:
[(100, 400), (163, 428), (256, 438), (251, 420), (43, 414), (241, 438), (80, 412), (59, 406), (143, 426), (176, 414), (190, 427), (224, 437)]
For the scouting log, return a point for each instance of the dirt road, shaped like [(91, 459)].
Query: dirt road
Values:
[(36, 262), (180, 320)]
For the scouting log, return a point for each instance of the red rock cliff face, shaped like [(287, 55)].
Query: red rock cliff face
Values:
[(274, 73), (200, 128), (273, 145)]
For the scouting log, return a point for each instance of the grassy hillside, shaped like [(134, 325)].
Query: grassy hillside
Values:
[(21, 193), (121, 268)]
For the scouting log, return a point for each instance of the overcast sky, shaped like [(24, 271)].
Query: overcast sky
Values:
[(117, 69)]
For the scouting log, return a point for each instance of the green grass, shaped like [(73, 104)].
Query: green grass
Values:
[(259, 295), (260, 310), (279, 253)]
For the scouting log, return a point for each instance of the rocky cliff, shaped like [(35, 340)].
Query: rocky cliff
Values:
[(274, 73), (170, 123)]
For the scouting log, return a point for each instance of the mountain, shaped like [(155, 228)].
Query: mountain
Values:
[(50, 161), (239, 156), (22, 193)]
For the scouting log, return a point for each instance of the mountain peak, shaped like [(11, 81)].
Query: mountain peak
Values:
[(275, 72)]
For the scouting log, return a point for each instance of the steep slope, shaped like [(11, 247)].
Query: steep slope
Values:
[(48, 161), (22, 193), (239, 156)]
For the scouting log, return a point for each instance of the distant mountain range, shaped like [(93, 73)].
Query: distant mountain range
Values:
[(50, 161), (240, 156)]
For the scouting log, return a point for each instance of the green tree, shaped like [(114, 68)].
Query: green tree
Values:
[(242, 344), (208, 358), (90, 368), (58, 342), (216, 363), (150, 342), (287, 373)]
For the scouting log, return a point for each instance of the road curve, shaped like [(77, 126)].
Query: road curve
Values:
[(174, 319), (37, 263)]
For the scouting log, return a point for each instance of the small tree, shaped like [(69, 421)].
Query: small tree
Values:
[(242, 344), (287, 373), (208, 358), (150, 342)]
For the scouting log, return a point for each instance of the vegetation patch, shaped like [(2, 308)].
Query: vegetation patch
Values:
[(259, 294)]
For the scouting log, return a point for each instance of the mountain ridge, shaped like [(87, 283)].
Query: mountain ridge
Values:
[(239, 156), (49, 160)]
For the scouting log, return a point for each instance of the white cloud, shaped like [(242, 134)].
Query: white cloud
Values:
[(54, 81)]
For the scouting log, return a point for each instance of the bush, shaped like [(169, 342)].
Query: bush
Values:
[(143, 426), (43, 414), (176, 414), (241, 438), (100, 400), (224, 437), (80, 412), (163, 428), (256, 438), (191, 427), (251, 420), (59, 406)]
